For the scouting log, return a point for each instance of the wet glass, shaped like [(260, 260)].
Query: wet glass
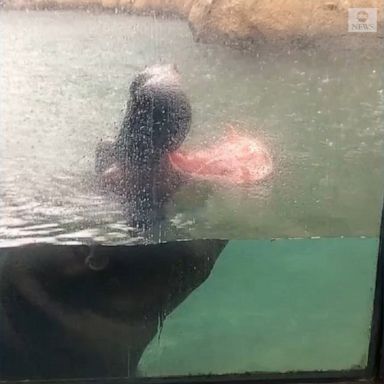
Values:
[(284, 281)]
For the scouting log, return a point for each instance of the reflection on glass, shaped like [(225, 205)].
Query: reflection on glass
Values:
[(123, 138)]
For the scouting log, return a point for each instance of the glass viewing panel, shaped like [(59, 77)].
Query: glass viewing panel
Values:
[(125, 142)]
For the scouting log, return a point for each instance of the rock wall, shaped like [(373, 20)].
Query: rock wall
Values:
[(244, 22), (301, 21)]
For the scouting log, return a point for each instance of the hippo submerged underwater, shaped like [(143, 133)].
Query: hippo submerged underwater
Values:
[(89, 312)]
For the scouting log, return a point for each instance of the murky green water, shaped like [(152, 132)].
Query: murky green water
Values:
[(280, 306), (65, 79)]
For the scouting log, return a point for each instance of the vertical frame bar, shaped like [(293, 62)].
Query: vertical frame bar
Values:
[(375, 368), (380, 294)]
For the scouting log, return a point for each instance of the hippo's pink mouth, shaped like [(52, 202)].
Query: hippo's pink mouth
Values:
[(235, 159)]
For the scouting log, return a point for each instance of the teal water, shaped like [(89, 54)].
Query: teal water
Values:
[(65, 78), (280, 306)]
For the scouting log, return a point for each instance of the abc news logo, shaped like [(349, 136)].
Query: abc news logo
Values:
[(362, 20)]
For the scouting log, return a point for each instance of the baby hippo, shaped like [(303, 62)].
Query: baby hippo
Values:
[(136, 165)]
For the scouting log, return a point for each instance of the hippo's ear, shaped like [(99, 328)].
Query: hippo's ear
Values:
[(137, 83)]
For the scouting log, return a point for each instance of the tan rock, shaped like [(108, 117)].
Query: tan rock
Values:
[(265, 20), (50, 4), (110, 4), (301, 22), (177, 7)]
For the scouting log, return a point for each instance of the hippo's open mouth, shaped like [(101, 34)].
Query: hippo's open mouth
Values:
[(234, 159)]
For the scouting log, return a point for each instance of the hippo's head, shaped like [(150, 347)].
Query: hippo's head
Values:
[(158, 116)]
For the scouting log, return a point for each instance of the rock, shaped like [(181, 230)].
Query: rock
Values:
[(245, 22), (257, 21), (110, 4), (331, 5), (176, 7)]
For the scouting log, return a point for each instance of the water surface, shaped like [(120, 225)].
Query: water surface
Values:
[(65, 79)]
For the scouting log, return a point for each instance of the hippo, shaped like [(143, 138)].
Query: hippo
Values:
[(136, 165), (80, 311), (75, 311)]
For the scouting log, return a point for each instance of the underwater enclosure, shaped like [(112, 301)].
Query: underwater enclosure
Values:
[(274, 277)]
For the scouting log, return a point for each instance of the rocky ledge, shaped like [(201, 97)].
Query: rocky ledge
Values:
[(247, 22)]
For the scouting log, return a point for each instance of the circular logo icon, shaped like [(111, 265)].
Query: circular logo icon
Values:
[(362, 16)]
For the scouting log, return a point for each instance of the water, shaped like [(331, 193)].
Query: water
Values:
[(65, 78)]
